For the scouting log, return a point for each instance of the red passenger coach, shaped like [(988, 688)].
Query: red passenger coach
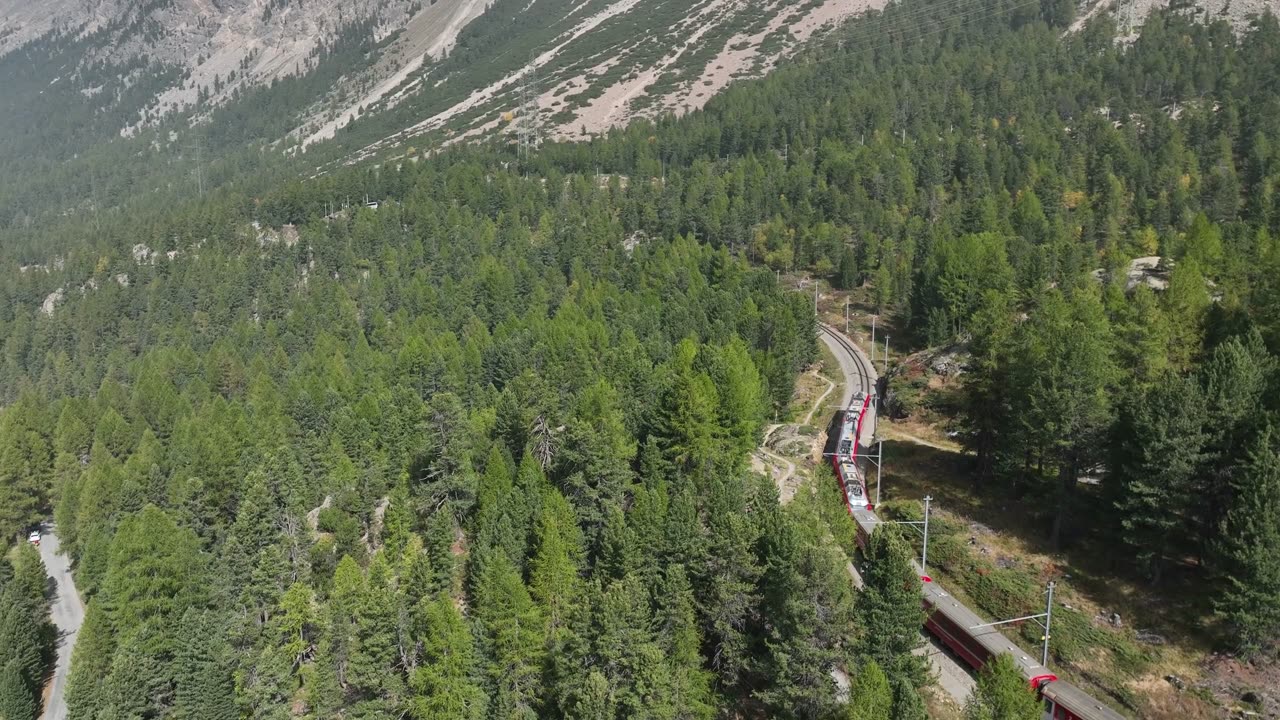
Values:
[(845, 462)]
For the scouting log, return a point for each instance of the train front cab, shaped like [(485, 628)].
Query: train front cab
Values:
[(1064, 701)]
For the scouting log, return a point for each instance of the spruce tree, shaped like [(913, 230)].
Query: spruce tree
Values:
[(1248, 551), (17, 699), (1157, 450), (205, 688)]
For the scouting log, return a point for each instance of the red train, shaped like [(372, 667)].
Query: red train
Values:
[(955, 625)]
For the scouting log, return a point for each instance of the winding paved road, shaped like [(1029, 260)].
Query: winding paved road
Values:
[(67, 614)]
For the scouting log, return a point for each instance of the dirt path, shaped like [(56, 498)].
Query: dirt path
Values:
[(766, 457), (896, 434), (808, 419)]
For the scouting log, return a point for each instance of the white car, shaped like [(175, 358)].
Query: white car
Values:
[(34, 538)]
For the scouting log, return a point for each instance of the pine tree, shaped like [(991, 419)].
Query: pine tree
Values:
[(25, 465), (677, 626), (371, 664), (90, 663), (890, 604), (1248, 549), (907, 703), (21, 646), (803, 639), (1063, 391), (397, 524), (155, 571), (726, 579), (554, 579), (847, 274), (1002, 693)]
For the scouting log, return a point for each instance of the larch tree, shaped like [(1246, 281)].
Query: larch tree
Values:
[(446, 684), (870, 696), (1002, 693)]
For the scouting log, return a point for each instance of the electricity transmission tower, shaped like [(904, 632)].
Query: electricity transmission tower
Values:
[(197, 148), (528, 124)]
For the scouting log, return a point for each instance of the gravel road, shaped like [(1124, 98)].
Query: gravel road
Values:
[(67, 614)]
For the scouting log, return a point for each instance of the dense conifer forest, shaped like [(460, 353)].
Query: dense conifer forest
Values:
[(481, 451)]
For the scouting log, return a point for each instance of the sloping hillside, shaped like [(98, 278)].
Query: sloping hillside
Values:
[(595, 64)]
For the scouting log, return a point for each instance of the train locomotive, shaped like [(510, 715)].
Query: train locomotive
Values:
[(955, 625)]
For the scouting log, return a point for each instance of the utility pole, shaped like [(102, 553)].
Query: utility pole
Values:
[(886, 353), (846, 316), (815, 298), (924, 554)]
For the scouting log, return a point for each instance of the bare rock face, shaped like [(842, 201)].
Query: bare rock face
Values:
[(51, 301), (221, 44)]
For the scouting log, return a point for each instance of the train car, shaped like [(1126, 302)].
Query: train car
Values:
[(958, 628), (848, 474)]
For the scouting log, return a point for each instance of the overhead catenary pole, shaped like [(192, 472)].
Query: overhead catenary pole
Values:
[(879, 462), (1048, 620), (886, 353), (873, 340), (1047, 616), (924, 552)]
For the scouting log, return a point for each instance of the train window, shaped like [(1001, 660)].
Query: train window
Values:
[(1048, 709)]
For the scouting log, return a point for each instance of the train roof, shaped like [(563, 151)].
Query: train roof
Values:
[(1081, 704), (991, 639), (865, 518)]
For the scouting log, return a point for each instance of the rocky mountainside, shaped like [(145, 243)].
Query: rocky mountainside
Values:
[(106, 101), (218, 47), (595, 62)]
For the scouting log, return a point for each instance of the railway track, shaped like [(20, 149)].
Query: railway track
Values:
[(957, 627), (866, 374)]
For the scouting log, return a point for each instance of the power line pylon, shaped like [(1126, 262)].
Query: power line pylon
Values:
[(528, 122)]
